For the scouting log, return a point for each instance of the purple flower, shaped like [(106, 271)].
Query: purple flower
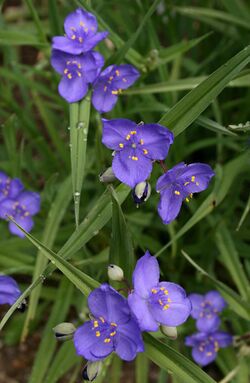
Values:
[(77, 72), (9, 290), (206, 345), (81, 33), (110, 83), (9, 188), (22, 208), (136, 146), (113, 328), (177, 184), (154, 302), (205, 309)]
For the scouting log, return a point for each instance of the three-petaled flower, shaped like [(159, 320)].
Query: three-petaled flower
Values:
[(205, 308), (9, 290), (22, 208), (110, 84), (178, 184), (81, 33), (77, 71), (135, 146), (113, 328), (206, 345), (9, 188), (154, 302)]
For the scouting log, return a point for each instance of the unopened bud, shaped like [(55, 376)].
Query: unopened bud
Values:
[(22, 307), (107, 176), (115, 273), (64, 331), (91, 371), (170, 332), (141, 192)]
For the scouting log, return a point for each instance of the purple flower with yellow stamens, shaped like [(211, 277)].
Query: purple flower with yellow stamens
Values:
[(21, 209), (178, 184), (9, 290), (112, 329), (205, 308), (206, 345), (9, 188), (77, 72), (81, 33), (135, 146), (153, 302), (110, 84)]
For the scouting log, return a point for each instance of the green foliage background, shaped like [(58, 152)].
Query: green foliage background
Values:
[(177, 45)]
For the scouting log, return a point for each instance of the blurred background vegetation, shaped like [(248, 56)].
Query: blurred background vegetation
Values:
[(181, 44)]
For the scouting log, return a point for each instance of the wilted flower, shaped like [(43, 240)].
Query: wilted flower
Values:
[(206, 345), (77, 71), (136, 146), (110, 83), (22, 208), (9, 188), (154, 302), (64, 331), (178, 184), (141, 192), (113, 328), (81, 33), (9, 290), (115, 273), (205, 308)]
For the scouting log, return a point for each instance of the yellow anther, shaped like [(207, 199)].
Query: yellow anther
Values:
[(145, 151), (82, 24), (134, 158), (209, 353), (115, 92), (177, 192), (187, 200), (124, 79), (65, 71), (112, 333), (117, 72), (80, 39), (86, 30), (97, 333), (141, 142), (169, 300), (107, 340), (186, 183), (95, 323), (166, 292), (154, 291), (216, 346), (162, 288), (113, 324), (128, 137), (73, 37), (160, 301), (191, 195), (102, 319), (69, 76), (74, 62), (166, 307), (121, 145), (26, 214), (68, 62), (193, 178), (79, 74), (79, 66), (133, 132)]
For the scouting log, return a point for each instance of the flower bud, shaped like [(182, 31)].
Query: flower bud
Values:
[(107, 176), (92, 370), (141, 192), (170, 332), (64, 331), (115, 273)]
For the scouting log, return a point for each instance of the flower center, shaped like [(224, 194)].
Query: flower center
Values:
[(160, 297), (207, 310), (20, 210), (5, 187), (104, 330), (72, 69)]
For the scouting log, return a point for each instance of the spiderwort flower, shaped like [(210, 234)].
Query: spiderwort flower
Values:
[(178, 184), (22, 208), (135, 146), (154, 302), (77, 72), (9, 188), (206, 345), (81, 33), (113, 328), (205, 309), (9, 290), (110, 84)]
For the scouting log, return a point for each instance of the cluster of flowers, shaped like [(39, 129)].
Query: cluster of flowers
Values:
[(207, 342), (17, 203), (80, 66), (135, 146)]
